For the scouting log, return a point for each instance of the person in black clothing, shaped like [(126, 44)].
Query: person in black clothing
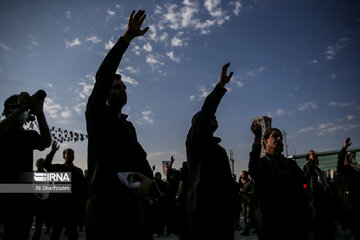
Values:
[(113, 210), (159, 205), (319, 188), (210, 189), (42, 206), (66, 206), (280, 200), (247, 203), (16, 157), (348, 186), (237, 206)]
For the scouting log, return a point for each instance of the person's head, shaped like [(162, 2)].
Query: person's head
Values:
[(213, 124), (233, 177), (273, 141), (158, 175), (312, 155), (117, 96), (40, 164), (347, 160), (11, 104), (68, 155)]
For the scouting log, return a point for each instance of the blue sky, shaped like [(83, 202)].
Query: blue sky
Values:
[(295, 61)]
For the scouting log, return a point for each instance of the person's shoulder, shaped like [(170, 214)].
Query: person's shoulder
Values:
[(31, 133)]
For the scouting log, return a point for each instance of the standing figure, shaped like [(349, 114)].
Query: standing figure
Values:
[(281, 203), (210, 188), (114, 211), (66, 206), (16, 148)]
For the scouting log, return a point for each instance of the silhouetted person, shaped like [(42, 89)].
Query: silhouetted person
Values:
[(247, 203), (210, 190), (42, 205), (16, 157), (114, 211), (280, 200), (318, 186), (348, 184), (66, 206)]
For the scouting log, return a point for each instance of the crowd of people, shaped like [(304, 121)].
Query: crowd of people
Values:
[(201, 200)]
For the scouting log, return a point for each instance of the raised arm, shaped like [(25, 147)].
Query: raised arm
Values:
[(50, 156), (37, 106), (342, 154), (107, 69), (254, 162), (213, 100)]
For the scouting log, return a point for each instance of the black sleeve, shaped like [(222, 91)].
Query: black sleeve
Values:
[(199, 128), (104, 78), (48, 161), (341, 158), (34, 140), (254, 162)]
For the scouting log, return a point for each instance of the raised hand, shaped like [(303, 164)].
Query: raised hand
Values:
[(224, 79), (134, 25), (54, 146), (347, 142), (256, 129)]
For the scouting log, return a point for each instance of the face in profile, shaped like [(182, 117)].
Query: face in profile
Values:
[(213, 125), (117, 94)]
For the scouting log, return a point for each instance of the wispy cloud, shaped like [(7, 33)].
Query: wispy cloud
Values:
[(65, 113), (256, 71), (237, 7), (172, 57), (68, 14), (132, 70), (344, 127), (51, 108), (307, 106), (147, 47), (93, 39), (350, 117), (136, 49), (326, 128), (202, 93), (86, 86), (33, 43), (129, 80), (154, 60), (177, 42), (109, 45), (110, 14), (333, 50), (3, 46), (190, 16), (72, 43), (159, 155), (314, 61), (332, 76), (146, 117), (79, 108), (307, 129), (341, 104), (280, 112)]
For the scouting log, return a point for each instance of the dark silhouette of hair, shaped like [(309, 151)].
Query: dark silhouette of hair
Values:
[(12, 100)]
